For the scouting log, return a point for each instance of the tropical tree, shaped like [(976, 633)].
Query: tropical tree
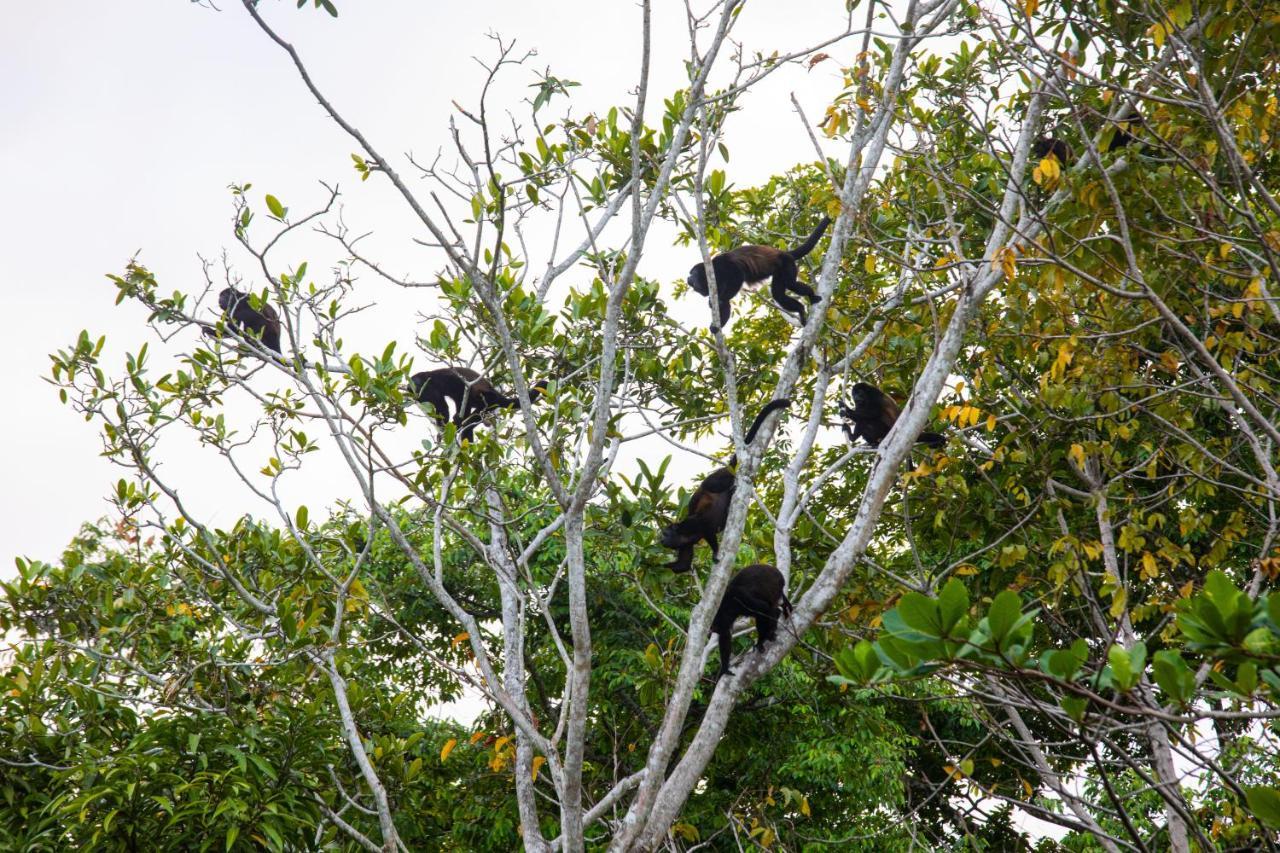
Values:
[(1056, 222)]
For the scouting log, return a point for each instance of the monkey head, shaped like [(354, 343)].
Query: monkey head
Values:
[(865, 395), (697, 280)]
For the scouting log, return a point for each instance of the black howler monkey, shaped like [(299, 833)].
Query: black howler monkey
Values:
[(708, 507), (471, 394), (241, 316), (873, 414), (1046, 145), (750, 264), (1053, 143), (757, 592)]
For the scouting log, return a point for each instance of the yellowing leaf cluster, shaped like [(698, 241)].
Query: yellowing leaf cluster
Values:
[(1006, 261), (1047, 172), (966, 416)]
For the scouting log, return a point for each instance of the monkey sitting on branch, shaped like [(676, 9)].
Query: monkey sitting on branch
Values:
[(757, 592), (873, 414), (243, 320)]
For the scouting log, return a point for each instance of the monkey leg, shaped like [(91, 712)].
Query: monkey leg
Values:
[(766, 629), (725, 635), (785, 300), (725, 311), (433, 398), (683, 561), (715, 545), (806, 291)]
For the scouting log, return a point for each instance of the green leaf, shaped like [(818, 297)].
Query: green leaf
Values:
[(1126, 665), (1258, 641), (953, 604), (274, 205), (1173, 675), (1264, 802), (1004, 612), (1075, 707), (921, 614)]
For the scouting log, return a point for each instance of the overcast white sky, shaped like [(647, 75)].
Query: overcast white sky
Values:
[(123, 123)]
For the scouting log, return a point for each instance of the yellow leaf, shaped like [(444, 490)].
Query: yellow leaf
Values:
[(1157, 33), (538, 761), (1030, 7), (458, 640), (1118, 601), (501, 742), (1006, 260), (476, 737), (1026, 787), (991, 423), (1149, 568), (1077, 453), (448, 748), (687, 831), (870, 264), (966, 570)]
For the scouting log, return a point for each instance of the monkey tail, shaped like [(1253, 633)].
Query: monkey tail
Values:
[(932, 439), (807, 246), (773, 406), (786, 606), (502, 400)]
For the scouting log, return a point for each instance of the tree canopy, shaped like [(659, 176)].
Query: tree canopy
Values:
[(1056, 228)]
